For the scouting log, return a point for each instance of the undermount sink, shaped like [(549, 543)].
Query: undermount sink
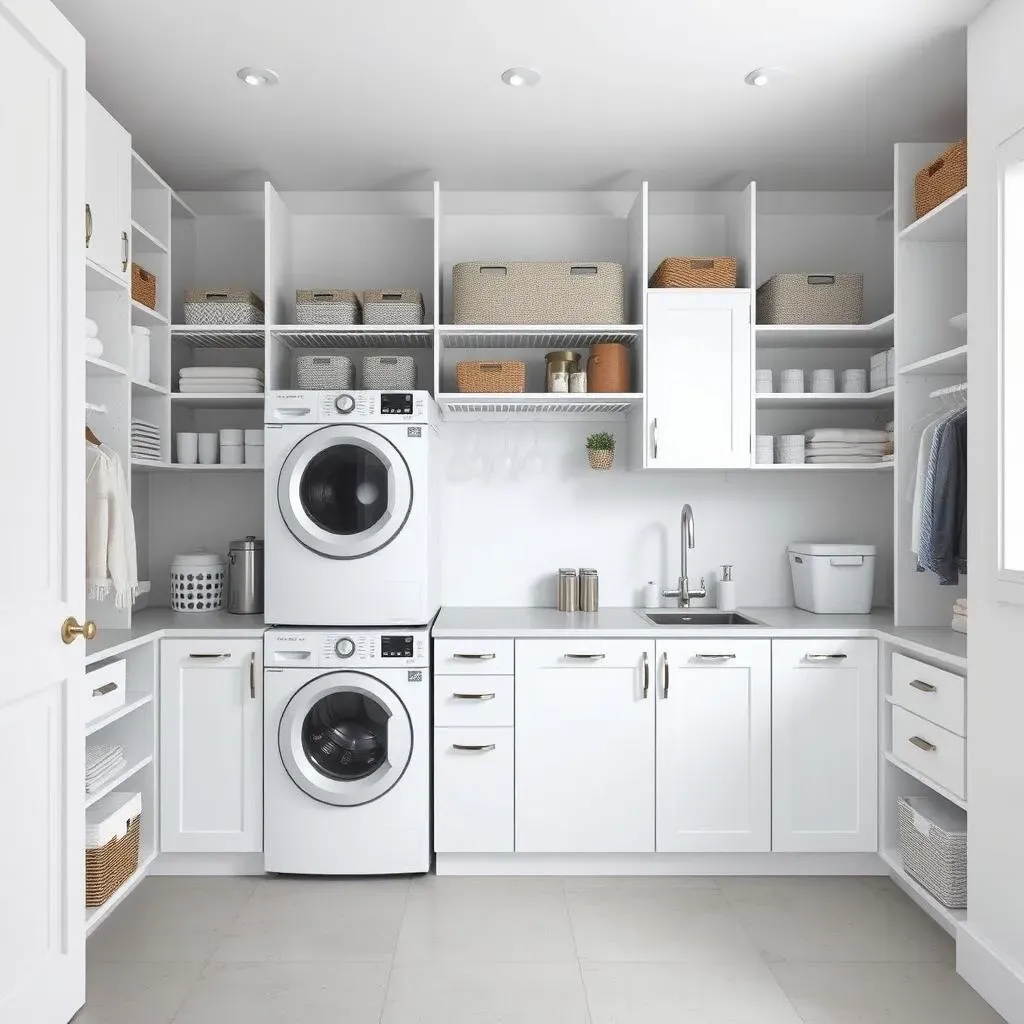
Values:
[(699, 618)]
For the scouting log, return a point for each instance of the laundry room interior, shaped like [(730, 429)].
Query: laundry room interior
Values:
[(530, 573)]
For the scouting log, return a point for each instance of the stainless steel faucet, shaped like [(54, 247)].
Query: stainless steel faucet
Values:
[(684, 593)]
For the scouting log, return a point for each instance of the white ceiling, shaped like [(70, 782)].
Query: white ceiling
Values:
[(394, 94)]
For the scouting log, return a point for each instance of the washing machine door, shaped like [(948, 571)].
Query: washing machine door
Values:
[(345, 738), (345, 491)]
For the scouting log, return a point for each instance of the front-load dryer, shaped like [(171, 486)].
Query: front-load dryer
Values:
[(350, 536), (346, 751)]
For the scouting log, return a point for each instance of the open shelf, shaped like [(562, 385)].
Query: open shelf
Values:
[(873, 335), (147, 387), (220, 400), (94, 915), (96, 367), (145, 241), (952, 361), (827, 400), (99, 279), (943, 916), (144, 466), (544, 336), (219, 335), (354, 335), (544, 406), (930, 783), (126, 709), (145, 316), (91, 798), (828, 467), (946, 223)]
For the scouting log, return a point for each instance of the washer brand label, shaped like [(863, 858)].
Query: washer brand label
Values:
[(415, 676), (415, 431)]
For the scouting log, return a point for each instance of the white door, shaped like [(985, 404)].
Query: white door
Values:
[(698, 372), (824, 746), (584, 757), (107, 190), (714, 746), (211, 740), (42, 573)]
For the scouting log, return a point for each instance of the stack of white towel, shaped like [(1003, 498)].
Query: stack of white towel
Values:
[(959, 622), (103, 761), (199, 380), (847, 445), (145, 441), (93, 345)]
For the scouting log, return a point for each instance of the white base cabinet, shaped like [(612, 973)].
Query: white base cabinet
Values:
[(824, 746), (211, 741), (714, 746)]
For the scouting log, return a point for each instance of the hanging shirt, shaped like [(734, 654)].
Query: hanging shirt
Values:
[(943, 546)]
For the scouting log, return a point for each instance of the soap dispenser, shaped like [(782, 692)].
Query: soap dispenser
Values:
[(727, 590)]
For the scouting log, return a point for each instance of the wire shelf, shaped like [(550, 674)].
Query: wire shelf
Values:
[(542, 337), (219, 336), (354, 336), (537, 407)]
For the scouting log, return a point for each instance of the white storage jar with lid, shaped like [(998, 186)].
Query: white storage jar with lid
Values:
[(833, 579), (197, 582)]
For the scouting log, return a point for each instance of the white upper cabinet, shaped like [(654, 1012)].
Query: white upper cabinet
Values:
[(824, 746), (211, 740), (698, 372), (714, 751), (108, 192), (584, 756)]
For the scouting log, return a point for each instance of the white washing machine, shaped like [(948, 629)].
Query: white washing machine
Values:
[(347, 751), (349, 485)]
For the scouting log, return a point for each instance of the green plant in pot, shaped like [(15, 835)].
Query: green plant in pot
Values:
[(601, 450)]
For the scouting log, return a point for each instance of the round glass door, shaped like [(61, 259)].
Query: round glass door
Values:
[(345, 491), (345, 738)]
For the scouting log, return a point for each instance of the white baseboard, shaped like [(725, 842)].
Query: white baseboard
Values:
[(208, 864), (660, 864), (999, 982)]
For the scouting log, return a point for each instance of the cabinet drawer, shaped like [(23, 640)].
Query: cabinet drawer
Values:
[(473, 657), (105, 687), (473, 700), (583, 652), (473, 790), (932, 750), (930, 692)]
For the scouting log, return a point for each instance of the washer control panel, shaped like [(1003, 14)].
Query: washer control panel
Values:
[(349, 406), (399, 647)]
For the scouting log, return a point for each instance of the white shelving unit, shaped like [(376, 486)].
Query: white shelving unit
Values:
[(944, 917), (538, 407), (876, 335), (881, 398), (947, 223)]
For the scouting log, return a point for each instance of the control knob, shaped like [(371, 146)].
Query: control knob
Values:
[(345, 647), (344, 404)]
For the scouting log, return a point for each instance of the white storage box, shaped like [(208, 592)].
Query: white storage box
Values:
[(110, 818), (933, 843), (106, 689), (833, 579)]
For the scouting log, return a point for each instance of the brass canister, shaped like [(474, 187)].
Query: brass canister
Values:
[(559, 367)]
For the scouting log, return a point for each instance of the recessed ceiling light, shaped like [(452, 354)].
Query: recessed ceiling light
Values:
[(520, 77), (758, 77), (258, 76)]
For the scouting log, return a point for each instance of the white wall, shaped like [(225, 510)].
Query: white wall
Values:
[(996, 692), (503, 540)]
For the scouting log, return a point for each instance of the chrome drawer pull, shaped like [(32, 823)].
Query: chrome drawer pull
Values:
[(714, 657), (475, 657), (209, 655), (920, 684), (475, 747), (825, 657), (474, 696), (647, 676), (922, 744), (102, 691), (664, 691), (585, 657)]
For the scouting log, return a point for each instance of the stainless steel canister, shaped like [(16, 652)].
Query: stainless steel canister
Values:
[(588, 590), (568, 591), (245, 577)]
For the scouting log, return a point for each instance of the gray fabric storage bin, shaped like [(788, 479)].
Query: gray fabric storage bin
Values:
[(228, 307), (326, 306), (324, 372), (397, 308), (538, 293), (811, 299), (933, 844), (389, 373)]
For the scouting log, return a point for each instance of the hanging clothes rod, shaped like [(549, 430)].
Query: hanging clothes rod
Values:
[(953, 389)]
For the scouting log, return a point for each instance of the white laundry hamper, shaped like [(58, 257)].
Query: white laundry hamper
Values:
[(197, 582), (833, 579)]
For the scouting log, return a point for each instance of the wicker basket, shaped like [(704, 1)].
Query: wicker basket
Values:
[(330, 306), (811, 299), (388, 373), (324, 373), (108, 867), (695, 272), (504, 378), (942, 178), (227, 307), (933, 844), (600, 458), (397, 308), (143, 286)]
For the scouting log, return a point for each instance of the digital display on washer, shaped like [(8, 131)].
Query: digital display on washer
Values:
[(396, 646), (396, 404)]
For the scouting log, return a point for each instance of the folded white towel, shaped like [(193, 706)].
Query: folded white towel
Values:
[(221, 371), (93, 347), (959, 623), (851, 448), (960, 606), (220, 387), (821, 460), (91, 328), (845, 434)]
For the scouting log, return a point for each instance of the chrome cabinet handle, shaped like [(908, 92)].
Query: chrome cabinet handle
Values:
[(124, 251), (252, 674), (88, 225), (209, 655), (475, 747), (664, 682), (825, 657), (584, 657), (654, 430), (475, 657), (714, 657), (922, 744), (647, 676), (920, 684), (103, 690), (474, 696)]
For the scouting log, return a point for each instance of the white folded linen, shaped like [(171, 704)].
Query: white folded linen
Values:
[(221, 371), (959, 623), (852, 448), (845, 434), (187, 387), (841, 459), (91, 328), (93, 347)]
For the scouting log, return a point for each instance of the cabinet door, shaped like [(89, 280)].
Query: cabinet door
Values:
[(584, 765), (698, 370), (824, 746), (714, 745), (108, 154), (211, 733)]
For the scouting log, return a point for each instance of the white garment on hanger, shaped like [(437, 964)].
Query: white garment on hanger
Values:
[(110, 555)]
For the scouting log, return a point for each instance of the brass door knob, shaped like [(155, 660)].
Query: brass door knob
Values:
[(70, 629)]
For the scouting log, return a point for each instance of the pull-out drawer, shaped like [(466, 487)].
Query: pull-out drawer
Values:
[(930, 692), (475, 656), (932, 750), (474, 700), (105, 687), (473, 790)]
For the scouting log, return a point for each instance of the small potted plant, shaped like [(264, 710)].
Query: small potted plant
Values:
[(601, 450)]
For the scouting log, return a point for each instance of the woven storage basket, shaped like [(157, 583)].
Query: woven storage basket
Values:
[(330, 306), (398, 307), (474, 377), (811, 299), (324, 373), (943, 177), (608, 367), (143, 286), (108, 867), (538, 293), (229, 306), (933, 844), (695, 272), (388, 373)]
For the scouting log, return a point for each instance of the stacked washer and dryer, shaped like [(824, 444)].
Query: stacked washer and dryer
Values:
[(351, 589)]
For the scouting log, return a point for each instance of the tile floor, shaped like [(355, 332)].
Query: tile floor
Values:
[(524, 951)]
